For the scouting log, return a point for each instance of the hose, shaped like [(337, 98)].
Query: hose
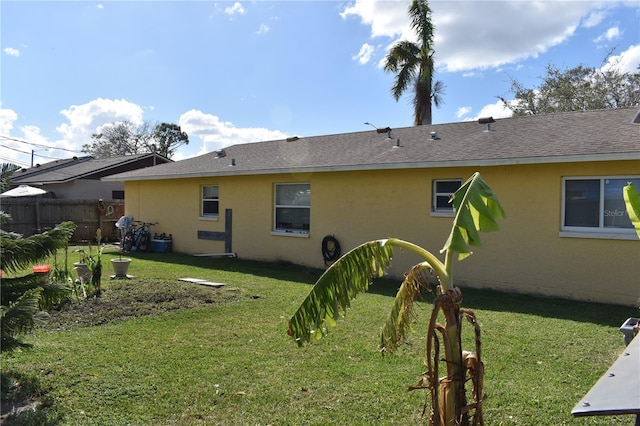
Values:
[(330, 249)]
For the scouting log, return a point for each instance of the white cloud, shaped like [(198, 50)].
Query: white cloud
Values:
[(87, 119), (365, 54), (11, 51), (7, 117), (480, 34), (263, 29), (216, 133), (386, 18), (462, 111), (236, 9), (497, 110), (594, 19), (627, 61), (18, 152), (611, 34)]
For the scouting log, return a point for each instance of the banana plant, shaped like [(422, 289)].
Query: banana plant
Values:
[(632, 203), (476, 209)]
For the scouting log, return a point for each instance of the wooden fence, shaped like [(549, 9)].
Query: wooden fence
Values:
[(31, 215)]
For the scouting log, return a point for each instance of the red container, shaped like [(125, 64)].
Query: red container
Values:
[(43, 269)]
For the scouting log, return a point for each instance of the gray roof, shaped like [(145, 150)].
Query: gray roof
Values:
[(60, 171), (611, 134)]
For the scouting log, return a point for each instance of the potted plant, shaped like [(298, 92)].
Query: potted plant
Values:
[(120, 266)]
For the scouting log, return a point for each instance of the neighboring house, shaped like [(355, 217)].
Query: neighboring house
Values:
[(79, 177), (558, 176), (74, 190)]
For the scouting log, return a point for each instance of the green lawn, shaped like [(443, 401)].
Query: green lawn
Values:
[(156, 351)]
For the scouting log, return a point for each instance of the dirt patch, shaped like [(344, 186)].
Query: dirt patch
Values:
[(126, 299)]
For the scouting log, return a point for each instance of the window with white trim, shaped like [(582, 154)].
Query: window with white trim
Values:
[(210, 201), (596, 204), (292, 207), (442, 191)]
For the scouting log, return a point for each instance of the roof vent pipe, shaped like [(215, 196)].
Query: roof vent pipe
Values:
[(233, 161), (487, 121), (397, 145)]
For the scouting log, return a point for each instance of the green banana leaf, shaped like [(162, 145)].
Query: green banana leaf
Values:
[(477, 209), (632, 201), (334, 290)]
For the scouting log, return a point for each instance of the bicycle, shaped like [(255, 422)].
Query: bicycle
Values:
[(138, 237)]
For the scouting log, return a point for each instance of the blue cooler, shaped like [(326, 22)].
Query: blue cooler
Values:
[(161, 245)]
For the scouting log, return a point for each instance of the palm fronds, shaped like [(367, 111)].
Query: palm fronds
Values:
[(23, 297), (17, 252), (6, 172), (19, 317)]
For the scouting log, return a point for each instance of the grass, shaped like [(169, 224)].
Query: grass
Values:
[(155, 351)]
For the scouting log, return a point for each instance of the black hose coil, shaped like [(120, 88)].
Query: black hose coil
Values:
[(330, 249)]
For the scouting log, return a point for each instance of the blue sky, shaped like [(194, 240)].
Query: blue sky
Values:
[(234, 72)]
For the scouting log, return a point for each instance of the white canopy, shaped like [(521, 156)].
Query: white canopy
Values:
[(23, 191)]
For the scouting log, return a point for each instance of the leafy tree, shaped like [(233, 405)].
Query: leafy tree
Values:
[(413, 64), (126, 138), (23, 296), (6, 172), (476, 209), (122, 138), (576, 89), (168, 138)]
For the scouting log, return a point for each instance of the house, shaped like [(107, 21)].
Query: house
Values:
[(79, 177), (558, 176), (74, 192)]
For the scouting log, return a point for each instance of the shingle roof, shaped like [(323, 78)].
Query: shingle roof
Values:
[(40, 169), (611, 134), (79, 168)]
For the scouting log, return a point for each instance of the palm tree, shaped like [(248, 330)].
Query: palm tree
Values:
[(476, 209), (6, 172), (413, 63)]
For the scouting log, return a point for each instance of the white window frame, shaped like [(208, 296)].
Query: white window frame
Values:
[(439, 211), (209, 216), (599, 231), (289, 231)]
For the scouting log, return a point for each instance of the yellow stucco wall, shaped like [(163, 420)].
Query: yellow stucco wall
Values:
[(527, 255)]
